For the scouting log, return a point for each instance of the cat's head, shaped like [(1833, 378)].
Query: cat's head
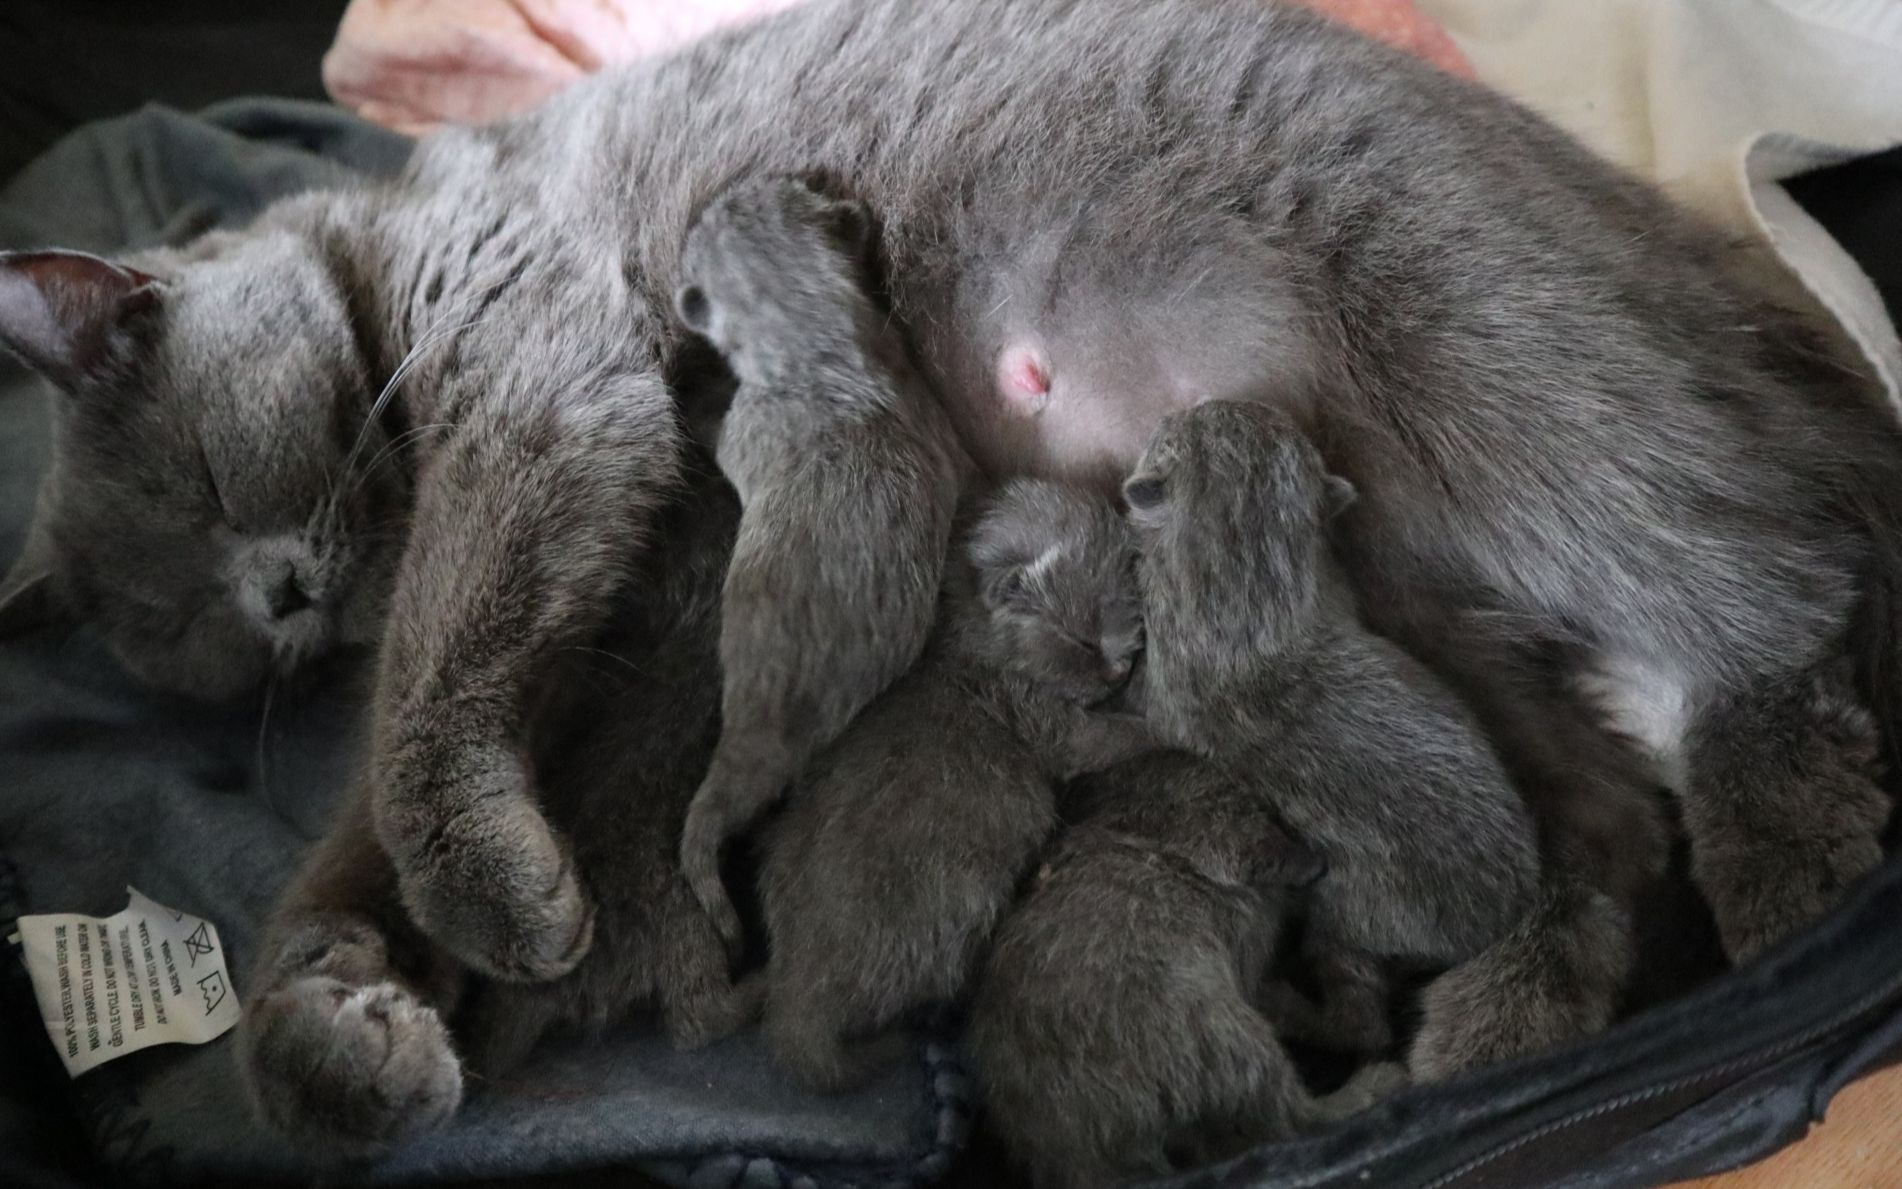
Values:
[(1230, 504), (1056, 582), (213, 507), (773, 261)]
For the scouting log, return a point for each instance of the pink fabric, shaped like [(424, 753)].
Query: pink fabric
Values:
[(413, 64)]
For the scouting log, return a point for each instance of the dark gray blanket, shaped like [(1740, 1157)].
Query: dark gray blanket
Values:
[(206, 809)]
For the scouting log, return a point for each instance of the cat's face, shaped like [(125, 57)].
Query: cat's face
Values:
[(217, 507), (1055, 575)]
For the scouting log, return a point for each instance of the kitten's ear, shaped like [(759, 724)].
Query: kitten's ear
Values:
[(1003, 587), (68, 313), (850, 221), (1145, 494), (1340, 496), (691, 304)]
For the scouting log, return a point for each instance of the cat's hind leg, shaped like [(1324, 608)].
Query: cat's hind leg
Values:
[(1782, 807), (343, 1047), (1556, 977)]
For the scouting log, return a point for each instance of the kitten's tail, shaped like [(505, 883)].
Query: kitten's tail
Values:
[(730, 797)]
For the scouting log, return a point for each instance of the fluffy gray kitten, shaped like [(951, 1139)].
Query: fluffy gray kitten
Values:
[(907, 838), (1115, 1029), (1257, 660), (444, 402), (848, 472)]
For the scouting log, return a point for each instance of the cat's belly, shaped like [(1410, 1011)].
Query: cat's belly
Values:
[(1071, 379)]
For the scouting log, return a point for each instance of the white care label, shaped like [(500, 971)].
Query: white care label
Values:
[(138, 978)]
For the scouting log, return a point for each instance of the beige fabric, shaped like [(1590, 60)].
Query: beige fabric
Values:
[(1715, 100)]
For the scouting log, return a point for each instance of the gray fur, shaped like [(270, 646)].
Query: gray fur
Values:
[(1114, 1030), (1257, 660), (848, 472), (1554, 978), (358, 1029), (905, 841), (1556, 400)]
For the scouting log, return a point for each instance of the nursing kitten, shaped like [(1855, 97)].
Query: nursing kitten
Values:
[(358, 1031), (906, 839), (848, 474), (1257, 660), (1114, 1030), (1558, 404)]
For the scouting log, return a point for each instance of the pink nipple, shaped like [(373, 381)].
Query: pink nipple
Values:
[(1023, 374)]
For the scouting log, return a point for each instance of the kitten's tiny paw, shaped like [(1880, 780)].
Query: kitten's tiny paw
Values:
[(1371, 1083), (345, 1071), (495, 887)]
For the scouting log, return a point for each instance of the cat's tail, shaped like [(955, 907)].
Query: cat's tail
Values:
[(728, 800)]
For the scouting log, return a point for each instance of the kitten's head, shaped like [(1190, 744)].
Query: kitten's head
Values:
[(1230, 503), (773, 261), (1056, 583), (211, 507)]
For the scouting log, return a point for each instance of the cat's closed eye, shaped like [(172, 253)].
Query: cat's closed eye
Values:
[(217, 493)]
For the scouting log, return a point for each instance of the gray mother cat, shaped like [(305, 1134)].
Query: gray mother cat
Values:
[(1553, 398)]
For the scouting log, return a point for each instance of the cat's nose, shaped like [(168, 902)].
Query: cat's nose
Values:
[(1115, 672), (287, 597)]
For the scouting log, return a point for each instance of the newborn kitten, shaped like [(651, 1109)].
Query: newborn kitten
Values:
[(1257, 661), (848, 474), (1114, 1031), (907, 838)]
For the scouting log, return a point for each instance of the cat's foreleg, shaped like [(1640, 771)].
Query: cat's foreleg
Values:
[(526, 522), (343, 1047)]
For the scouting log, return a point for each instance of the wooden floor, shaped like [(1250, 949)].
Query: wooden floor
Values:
[(1859, 1146)]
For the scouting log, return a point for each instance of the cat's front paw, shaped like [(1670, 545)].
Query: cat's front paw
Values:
[(348, 1072), (485, 877)]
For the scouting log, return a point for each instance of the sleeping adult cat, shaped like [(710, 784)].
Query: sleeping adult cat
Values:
[(1556, 405)]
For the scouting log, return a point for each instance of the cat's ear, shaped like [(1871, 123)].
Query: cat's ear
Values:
[(692, 306), (1339, 496), (69, 314), (850, 222), (31, 596)]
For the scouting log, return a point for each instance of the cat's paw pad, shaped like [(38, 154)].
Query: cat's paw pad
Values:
[(348, 1072), (497, 889)]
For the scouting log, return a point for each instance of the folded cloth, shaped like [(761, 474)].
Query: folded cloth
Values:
[(206, 809), (1718, 101), (414, 64)]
